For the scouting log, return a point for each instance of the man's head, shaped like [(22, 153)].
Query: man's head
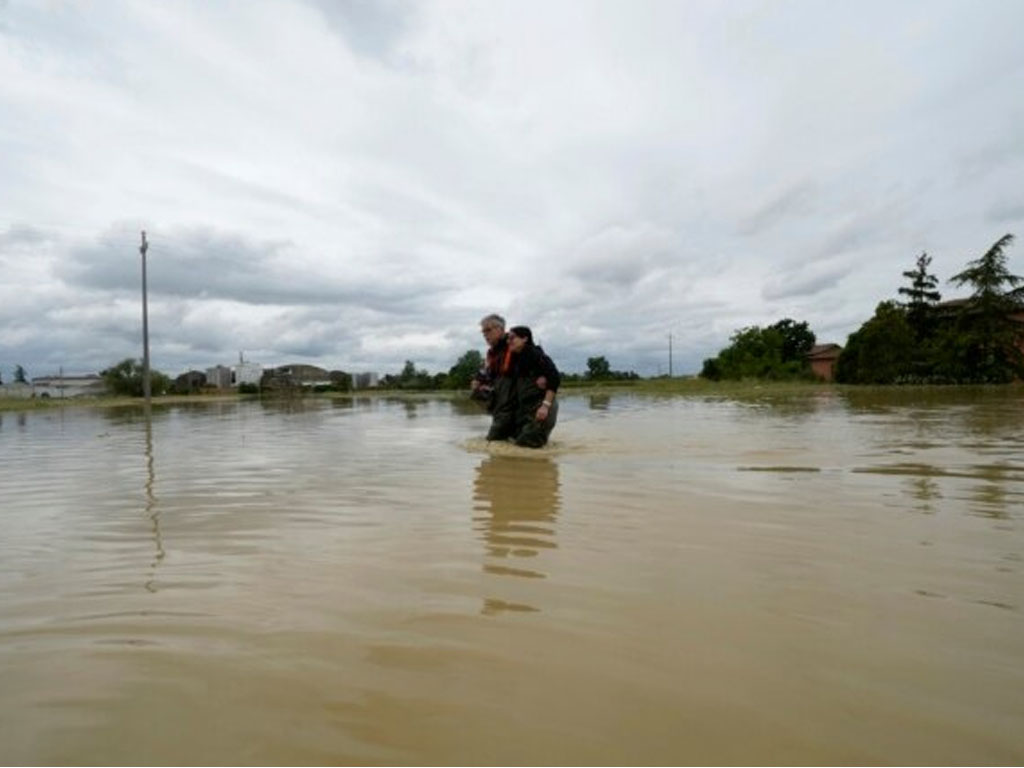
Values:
[(493, 329)]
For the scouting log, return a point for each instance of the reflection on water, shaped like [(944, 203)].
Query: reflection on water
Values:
[(925, 490), (832, 578), (515, 504), (150, 507)]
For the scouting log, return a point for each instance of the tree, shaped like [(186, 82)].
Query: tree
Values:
[(711, 370), (922, 297), (465, 368), (881, 350), (598, 368), (776, 352), (410, 378), (991, 334), (989, 274), (797, 339), (125, 378), (19, 375)]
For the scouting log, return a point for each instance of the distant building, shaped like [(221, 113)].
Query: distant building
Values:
[(67, 386), (16, 390), (823, 358), (365, 380), (189, 382), (246, 373), (219, 376), (306, 375)]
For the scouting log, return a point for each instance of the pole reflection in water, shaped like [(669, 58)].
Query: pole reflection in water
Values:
[(516, 500), (150, 504)]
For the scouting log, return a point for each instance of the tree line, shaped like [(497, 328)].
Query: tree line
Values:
[(471, 362), (777, 352), (922, 340), (125, 378), (20, 377), (917, 339)]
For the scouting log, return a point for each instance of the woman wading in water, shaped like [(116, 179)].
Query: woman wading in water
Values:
[(525, 410)]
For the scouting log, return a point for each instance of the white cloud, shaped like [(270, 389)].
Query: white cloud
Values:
[(356, 184)]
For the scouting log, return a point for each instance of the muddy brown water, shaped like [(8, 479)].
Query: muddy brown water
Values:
[(827, 578)]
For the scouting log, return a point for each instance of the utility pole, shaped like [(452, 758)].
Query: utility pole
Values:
[(146, 390), (670, 355)]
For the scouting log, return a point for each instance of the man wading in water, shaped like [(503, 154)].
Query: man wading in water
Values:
[(518, 385)]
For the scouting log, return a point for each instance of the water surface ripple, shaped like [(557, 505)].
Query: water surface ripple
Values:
[(828, 578)]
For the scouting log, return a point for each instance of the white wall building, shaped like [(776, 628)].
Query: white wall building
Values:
[(365, 380), (16, 390), (246, 373), (88, 385), (219, 376)]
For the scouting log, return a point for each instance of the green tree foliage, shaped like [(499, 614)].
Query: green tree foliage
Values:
[(125, 378), (797, 339), (340, 381), (776, 352), (922, 296), (987, 334), (19, 375), (598, 368), (410, 378), (465, 368), (921, 341), (881, 350)]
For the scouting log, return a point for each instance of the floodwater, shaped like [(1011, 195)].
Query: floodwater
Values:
[(825, 578)]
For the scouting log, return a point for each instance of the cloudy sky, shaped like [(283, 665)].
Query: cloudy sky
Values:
[(355, 183)]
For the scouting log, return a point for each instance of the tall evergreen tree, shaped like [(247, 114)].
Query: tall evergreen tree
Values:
[(993, 335), (922, 296), (989, 274)]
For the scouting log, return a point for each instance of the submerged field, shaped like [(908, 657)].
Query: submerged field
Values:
[(751, 574)]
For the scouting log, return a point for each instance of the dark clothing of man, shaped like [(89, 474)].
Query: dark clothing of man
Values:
[(487, 376), (500, 369)]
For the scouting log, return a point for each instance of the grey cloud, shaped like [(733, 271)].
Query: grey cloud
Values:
[(988, 159), (371, 28), (1006, 211), (216, 181), (502, 151), (814, 278), (202, 263), (619, 257), (796, 200), (21, 234)]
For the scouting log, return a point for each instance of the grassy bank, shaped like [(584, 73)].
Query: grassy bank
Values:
[(676, 387), (49, 403)]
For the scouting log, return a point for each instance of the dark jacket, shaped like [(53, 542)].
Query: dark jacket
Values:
[(495, 358), (516, 396), (531, 363)]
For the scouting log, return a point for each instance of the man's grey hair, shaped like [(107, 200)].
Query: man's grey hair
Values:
[(493, 319)]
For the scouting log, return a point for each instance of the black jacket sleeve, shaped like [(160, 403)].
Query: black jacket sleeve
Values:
[(546, 368)]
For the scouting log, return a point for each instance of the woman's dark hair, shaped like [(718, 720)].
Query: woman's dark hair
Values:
[(523, 333)]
